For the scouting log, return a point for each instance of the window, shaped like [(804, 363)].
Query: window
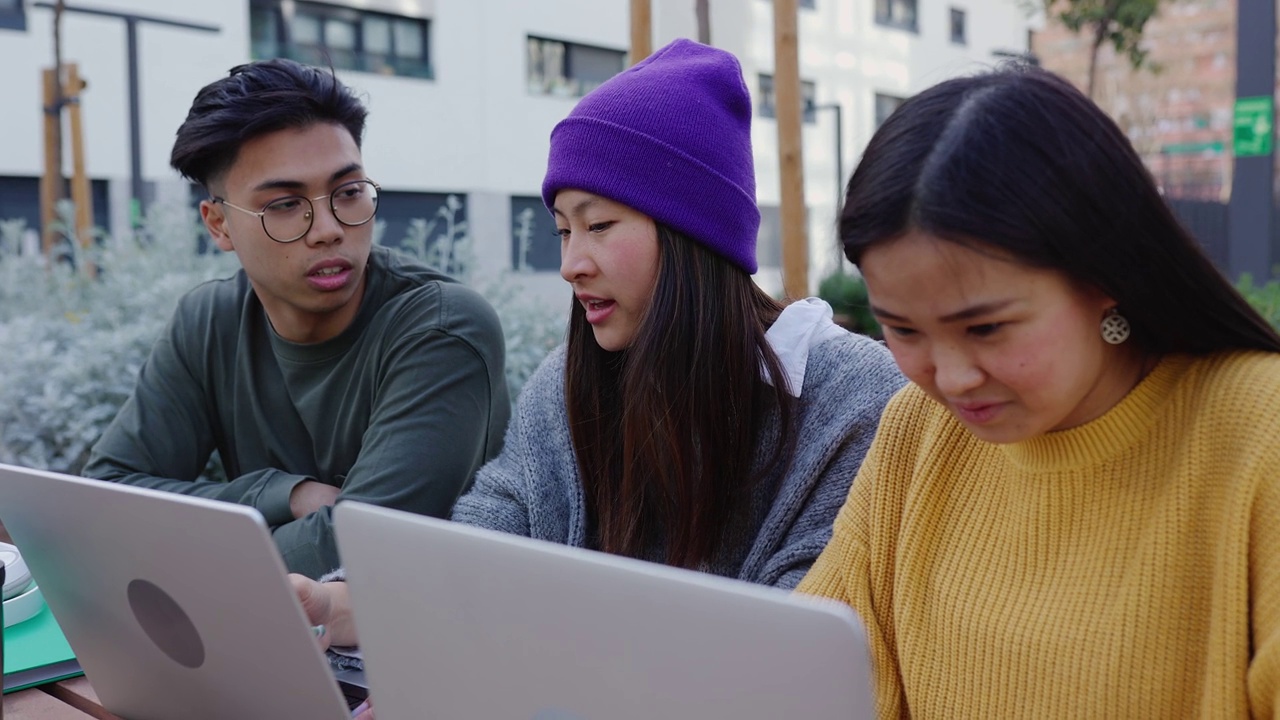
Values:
[(427, 225), (769, 237), (897, 13), (347, 38), (957, 27), (569, 69), (534, 244), (12, 15), (885, 105), (20, 200), (766, 103)]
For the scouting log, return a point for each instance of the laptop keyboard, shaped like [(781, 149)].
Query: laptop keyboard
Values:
[(353, 693)]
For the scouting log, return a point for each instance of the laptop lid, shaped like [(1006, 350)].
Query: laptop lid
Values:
[(176, 607), (459, 622)]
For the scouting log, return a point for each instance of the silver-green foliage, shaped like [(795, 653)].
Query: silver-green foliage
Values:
[(72, 343)]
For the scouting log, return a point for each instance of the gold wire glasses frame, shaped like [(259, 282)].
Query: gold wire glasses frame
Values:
[(352, 203)]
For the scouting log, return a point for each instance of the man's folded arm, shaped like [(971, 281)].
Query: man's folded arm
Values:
[(162, 438)]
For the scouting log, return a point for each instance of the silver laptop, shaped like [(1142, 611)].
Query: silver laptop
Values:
[(176, 607), (457, 622)]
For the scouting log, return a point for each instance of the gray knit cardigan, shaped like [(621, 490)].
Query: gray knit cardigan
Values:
[(532, 488)]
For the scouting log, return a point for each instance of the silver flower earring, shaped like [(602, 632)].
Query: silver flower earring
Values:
[(1115, 328)]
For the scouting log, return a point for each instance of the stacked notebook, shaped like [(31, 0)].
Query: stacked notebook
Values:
[(34, 650)]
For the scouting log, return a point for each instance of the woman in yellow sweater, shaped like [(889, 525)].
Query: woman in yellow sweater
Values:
[(1074, 509)]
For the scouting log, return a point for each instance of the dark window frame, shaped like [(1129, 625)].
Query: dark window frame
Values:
[(881, 100), (398, 209), (20, 199), (889, 14), (540, 250), (961, 38), (14, 18), (766, 103), (574, 85), (358, 58)]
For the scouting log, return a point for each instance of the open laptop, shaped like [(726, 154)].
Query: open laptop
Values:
[(458, 622), (176, 607)]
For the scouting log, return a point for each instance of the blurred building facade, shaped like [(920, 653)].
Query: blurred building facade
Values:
[(1179, 113), (463, 95)]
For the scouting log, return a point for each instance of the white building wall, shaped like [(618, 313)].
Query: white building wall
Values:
[(851, 58), (476, 129), (172, 63)]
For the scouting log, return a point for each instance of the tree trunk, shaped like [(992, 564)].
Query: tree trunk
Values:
[(1100, 29)]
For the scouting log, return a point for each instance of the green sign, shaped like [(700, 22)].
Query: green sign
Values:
[(1255, 126), (1193, 148)]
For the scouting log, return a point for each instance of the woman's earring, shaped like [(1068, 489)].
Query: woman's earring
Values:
[(1115, 328)]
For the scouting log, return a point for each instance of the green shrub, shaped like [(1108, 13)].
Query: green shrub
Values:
[(847, 295), (1264, 298)]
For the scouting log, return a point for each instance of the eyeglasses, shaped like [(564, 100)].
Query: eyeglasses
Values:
[(289, 218)]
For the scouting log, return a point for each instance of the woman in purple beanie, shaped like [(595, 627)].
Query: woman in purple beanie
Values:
[(690, 419)]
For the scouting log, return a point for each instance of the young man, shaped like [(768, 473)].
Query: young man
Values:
[(327, 368)]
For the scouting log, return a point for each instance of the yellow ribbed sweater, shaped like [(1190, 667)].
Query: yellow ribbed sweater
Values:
[(1127, 568)]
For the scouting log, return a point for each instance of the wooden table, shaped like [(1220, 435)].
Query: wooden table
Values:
[(34, 704), (70, 699)]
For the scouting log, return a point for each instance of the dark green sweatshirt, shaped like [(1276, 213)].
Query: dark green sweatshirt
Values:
[(399, 410)]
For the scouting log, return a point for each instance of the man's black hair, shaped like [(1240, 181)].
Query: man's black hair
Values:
[(253, 100)]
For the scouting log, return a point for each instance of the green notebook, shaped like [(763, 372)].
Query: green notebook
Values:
[(35, 653)]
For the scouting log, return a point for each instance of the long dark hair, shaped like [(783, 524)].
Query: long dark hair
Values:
[(666, 431), (1019, 160)]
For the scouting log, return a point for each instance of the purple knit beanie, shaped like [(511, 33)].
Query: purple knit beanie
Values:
[(671, 138)]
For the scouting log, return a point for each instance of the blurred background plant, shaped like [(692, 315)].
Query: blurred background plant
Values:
[(74, 341), (1264, 298), (531, 330), (846, 293)]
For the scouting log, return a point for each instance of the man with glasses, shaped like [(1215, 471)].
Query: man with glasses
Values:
[(327, 368)]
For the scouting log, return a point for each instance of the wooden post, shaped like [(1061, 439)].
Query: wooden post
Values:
[(786, 85), (80, 194), (641, 31), (51, 182)]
